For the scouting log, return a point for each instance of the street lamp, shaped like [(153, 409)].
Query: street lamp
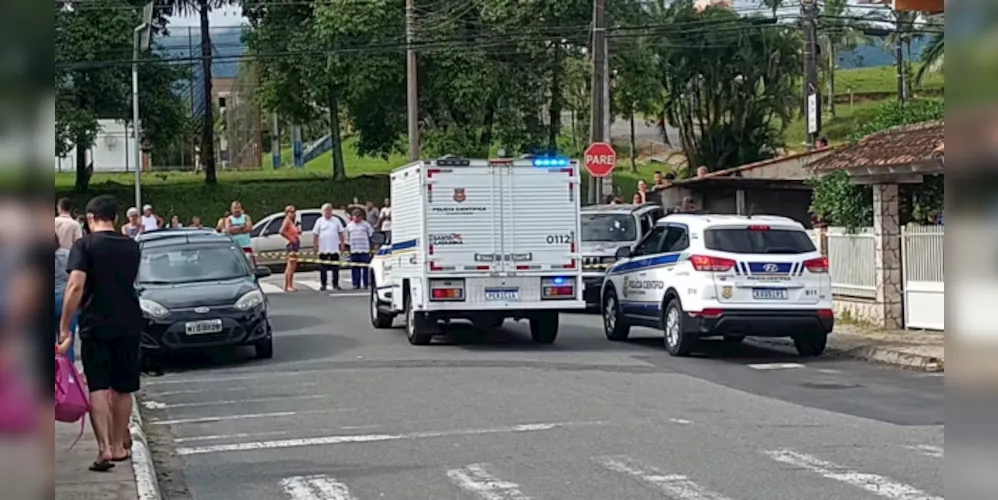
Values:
[(143, 36)]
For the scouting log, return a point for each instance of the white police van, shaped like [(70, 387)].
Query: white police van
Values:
[(704, 275)]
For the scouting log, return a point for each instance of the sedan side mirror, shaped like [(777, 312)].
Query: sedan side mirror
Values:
[(378, 239), (623, 253), (261, 272)]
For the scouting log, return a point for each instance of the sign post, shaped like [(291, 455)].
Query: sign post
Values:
[(600, 160)]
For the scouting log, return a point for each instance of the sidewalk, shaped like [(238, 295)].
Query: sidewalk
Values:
[(75, 482), (916, 350)]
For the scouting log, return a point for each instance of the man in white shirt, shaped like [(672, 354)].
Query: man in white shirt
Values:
[(329, 240), (359, 233)]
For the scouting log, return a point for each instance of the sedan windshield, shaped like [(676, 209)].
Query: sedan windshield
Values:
[(176, 264), (608, 227)]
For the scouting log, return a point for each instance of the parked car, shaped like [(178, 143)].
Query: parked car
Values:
[(266, 235), (197, 290)]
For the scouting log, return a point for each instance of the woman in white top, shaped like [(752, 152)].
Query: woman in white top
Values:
[(385, 217)]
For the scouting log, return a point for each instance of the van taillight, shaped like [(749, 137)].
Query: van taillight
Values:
[(707, 263), (817, 266)]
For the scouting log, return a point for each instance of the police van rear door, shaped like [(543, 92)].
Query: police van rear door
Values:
[(462, 216)]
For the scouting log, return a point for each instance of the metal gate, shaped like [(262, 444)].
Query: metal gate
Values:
[(922, 272)]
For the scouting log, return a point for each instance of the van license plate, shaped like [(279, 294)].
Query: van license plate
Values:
[(202, 327), (769, 293), (502, 294)]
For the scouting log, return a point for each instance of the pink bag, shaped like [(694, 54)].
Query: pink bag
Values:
[(18, 413), (72, 401)]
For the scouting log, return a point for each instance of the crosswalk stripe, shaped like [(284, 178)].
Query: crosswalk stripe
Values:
[(677, 487), (270, 288), (876, 484), (314, 285), (476, 480), (928, 450), (317, 487), (775, 366)]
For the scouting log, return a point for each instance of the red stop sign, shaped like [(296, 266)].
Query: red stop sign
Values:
[(600, 158)]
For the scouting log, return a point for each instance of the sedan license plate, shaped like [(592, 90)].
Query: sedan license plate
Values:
[(502, 294), (202, 327), (769, 293)]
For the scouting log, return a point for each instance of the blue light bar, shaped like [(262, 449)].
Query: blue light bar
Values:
[(558, 281), (550, 162)]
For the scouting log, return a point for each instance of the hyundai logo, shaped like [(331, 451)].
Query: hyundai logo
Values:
[(771, 268), (201, 310)]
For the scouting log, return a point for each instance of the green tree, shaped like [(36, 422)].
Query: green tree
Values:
[(637, 89), (90, 88), (774, 5), (731, 84), (837, 33), (933, 58)]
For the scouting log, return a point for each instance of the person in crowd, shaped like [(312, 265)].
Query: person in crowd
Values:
[(134, 226), (702, 171), (688, 205), (220, 225), (61, 277), (102, 269), (82, 219), (637, 199), (196, 222), (175, 221), (821, 143), (642, 192), (291, 232), (238, 225), (66, 227), (385, 217), (358, 235), (328, 238), (662, 181), (150, 220)]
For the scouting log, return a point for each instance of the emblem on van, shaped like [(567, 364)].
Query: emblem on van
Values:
[(727, 292), (201, 310), (771, 268), (459, 195)]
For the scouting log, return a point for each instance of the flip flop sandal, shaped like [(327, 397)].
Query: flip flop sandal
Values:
[(101, 466), (128, 456)]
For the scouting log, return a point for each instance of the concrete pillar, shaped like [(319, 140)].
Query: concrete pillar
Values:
[(887, 238)]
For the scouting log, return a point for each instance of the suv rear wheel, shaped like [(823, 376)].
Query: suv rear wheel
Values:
[(811, 345), (677, 341)]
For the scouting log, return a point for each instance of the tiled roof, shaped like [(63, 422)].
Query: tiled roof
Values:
[(895, 146), (729, 172)]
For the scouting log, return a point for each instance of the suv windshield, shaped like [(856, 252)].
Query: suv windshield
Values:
[(186, 264), (608, 227), (772, 241)]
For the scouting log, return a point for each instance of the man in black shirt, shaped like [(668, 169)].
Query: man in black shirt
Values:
[(102, 267)]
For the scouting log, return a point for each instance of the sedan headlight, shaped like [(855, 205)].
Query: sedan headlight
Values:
[(249, 301), (153, 309)]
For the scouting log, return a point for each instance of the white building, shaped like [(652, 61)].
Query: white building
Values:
[(113, 150)]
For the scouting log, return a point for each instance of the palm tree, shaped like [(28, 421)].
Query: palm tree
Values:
[(838, 34), (203, 8), (933, 58)]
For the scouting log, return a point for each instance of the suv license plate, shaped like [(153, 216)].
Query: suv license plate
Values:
[(769, 293), (202, 327), (502, 294)]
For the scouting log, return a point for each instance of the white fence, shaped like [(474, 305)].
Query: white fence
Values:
[(922, 271), (851, 261)]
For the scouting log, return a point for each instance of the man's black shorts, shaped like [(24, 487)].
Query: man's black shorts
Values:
[(112, 363)]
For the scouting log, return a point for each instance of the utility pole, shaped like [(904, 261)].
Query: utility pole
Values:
[(899, 56), (600, 125), (812, 90), (411, 82)]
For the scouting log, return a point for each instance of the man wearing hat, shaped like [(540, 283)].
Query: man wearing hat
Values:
[(150, 221)]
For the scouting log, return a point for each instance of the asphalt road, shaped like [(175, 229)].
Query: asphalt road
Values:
[(344, 411)]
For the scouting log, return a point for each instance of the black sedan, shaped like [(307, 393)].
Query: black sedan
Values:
[(198, 290)]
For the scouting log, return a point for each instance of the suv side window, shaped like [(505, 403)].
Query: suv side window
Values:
[(644, 224), (651, 243), (676, 239), (274, 226), (308, 222)]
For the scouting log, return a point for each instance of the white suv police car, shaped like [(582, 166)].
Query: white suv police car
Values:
[(703, 275)]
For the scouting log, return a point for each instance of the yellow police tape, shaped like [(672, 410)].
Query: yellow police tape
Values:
[(343, 263)]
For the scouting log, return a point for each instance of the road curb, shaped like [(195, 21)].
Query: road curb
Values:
[(893, 357), (878, 354), (142, 464)]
